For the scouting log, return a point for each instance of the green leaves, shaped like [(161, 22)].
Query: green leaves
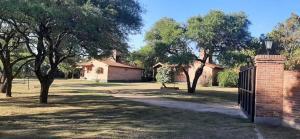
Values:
[(218, 32), (286, 38), (165, 74), (228, 78), (167, 37), (96, 26), (167, 31)]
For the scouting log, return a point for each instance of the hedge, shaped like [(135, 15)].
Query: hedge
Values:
[(228, 78)]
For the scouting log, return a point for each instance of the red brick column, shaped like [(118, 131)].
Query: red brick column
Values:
[(269, 89)]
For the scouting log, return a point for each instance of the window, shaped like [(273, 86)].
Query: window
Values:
[(88, 69), (100, 70)]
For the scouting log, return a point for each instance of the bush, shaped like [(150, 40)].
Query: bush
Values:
[(228, 78), (164, 75), (293, 60)]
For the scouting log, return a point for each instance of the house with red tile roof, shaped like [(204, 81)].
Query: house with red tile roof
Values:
[(208, 77), (109, 70)]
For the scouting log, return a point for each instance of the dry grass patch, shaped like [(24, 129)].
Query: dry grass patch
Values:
[(202, 95), (82, 109), (78, 109)]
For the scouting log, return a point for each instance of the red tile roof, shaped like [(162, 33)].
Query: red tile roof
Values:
[(206, 64), (85, 64), (116, 64)]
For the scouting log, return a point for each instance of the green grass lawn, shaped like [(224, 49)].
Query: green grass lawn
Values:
[(79, 109)]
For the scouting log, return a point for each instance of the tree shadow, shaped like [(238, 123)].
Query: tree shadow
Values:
[(291, 94), (92, 116), (91, 113), (212, 95)]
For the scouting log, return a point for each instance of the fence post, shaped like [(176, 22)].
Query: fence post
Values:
[(269, 89)]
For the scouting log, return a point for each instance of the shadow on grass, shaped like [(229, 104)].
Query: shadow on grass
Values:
[(227, 96), (93, 115), (56, 98), (280, 132), (212, 96)]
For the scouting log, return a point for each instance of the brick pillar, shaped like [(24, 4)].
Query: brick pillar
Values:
[(269, 89)]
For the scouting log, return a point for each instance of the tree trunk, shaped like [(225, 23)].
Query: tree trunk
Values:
[(3, 86), (164, 85), (72, 74), (8, 86), (45, 85), (9, 77), (198, 73), (3, 82), (66, 75), (45, 82), (210, 59), (188, 82)]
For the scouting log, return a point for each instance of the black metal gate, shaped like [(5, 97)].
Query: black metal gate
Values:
[(246, 95)]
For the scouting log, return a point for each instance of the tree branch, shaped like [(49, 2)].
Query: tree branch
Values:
[(23, 33), (19, 69), (20, 59)]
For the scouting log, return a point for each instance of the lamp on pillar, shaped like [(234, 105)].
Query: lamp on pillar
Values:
[(268, 44)]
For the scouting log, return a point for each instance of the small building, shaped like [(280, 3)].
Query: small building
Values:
[(109, 70), (209, 76)]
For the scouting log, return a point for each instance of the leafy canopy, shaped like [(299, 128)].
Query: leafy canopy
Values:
[(167, 37), (97, 26), (144, 58), (286, 38), (217, 33)]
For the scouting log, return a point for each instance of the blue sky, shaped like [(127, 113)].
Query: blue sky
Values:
[(263, 14)]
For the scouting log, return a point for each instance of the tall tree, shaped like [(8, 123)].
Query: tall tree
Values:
[(167, 37), (13, 53), (213, 34), (216, 33), (65, 28), (235, 59), (286, 38)]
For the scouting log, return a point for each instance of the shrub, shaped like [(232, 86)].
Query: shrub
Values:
[(228, 78), (164, 75), (293, 60)]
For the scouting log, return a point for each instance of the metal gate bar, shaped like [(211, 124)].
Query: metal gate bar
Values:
[(246, 94)]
